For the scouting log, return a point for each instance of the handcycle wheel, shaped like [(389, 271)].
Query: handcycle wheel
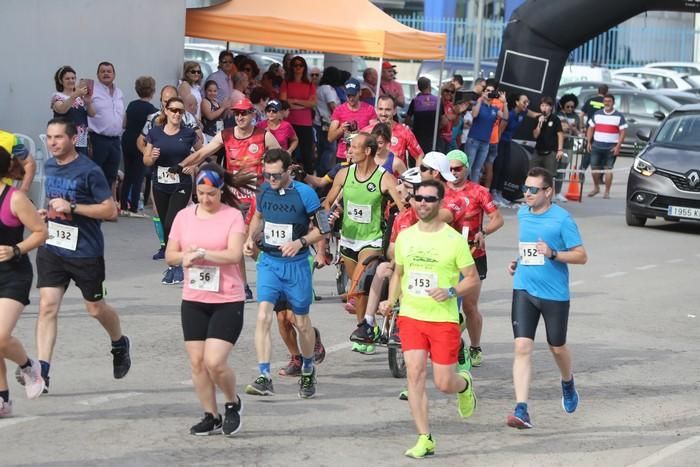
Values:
[(397, 364), (341, 278)]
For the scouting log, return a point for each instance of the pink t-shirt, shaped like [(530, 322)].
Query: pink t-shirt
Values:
[(211, 234), (343, 114), (303, 91), (284, 134)]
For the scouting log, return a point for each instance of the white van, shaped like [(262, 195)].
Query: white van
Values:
[(585, 73)]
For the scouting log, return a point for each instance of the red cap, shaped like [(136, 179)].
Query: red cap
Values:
[(243, 104), (386, 65)]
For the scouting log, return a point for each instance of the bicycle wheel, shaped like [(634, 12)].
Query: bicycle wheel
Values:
[(397, 364), (341, 278)]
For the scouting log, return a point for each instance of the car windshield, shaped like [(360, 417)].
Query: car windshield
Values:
[(681, 130)]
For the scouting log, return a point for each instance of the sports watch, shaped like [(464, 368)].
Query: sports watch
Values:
[(451, 292)]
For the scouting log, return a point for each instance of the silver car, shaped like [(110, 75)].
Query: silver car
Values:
[(665, 177)]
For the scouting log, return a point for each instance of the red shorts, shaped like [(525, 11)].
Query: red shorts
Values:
[(441, 340)]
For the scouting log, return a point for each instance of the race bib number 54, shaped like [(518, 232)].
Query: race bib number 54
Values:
[(360, 213), (529, 255), (420, 282)]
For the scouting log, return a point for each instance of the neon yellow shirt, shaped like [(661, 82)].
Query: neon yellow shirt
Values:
[(430, 259)]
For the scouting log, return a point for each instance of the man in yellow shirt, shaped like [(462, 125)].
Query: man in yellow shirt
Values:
[(430, 255)]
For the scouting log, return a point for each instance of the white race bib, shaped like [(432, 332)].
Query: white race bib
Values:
[(529, 255), (204, 278), (63, 236), (219, 125), (360, 213), (420, 282), (277, 234), (167, 178), (465, 232)]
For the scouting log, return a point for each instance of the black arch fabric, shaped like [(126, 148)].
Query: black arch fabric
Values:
[(541, 34)]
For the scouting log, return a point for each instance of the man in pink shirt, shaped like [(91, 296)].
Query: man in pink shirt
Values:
[(390, 86), (402, 138), (349, 117)]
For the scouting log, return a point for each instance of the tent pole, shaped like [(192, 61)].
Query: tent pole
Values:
[(228, 46), (379, 81), (437, 110)]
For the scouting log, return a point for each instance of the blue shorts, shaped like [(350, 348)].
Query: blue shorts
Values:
[(602, 158), (288, 278)]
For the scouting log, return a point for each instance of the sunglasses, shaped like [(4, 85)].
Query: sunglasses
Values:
[(570, 106), (456, 169), (427, 199), (274, 111), (448, 91), (273, 176), (176, 110), (197, 72), (532, 189), (424, 168), (241, 113)]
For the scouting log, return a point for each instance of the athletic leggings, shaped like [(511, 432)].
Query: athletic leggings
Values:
[(526, 311), (305, 150), (169, 204)]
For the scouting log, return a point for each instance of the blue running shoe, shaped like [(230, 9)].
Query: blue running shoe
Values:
[(569, 397), (168, 276), (520, 418), (178, 275), (160, 254), (248, 294)]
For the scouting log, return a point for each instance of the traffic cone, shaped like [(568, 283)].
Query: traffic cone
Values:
[(574, 191)]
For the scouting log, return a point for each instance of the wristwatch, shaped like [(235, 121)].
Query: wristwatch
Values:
[(451, 292), (73, 206), (553, 256), (303, 241)]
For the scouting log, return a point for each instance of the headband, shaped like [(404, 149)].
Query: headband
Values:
[(211, 178)]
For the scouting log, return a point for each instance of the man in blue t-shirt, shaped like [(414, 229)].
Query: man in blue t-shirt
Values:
[(548, 240), (485, 112), (280, 226), (79, 199)]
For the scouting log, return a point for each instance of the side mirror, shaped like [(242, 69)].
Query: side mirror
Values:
[(644, 134), (659, 115)]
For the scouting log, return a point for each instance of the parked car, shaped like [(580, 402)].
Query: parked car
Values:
[(643, 110), (204, 53), (632, 82), (682, 97), (658, 78), (585, 73), (431, 69), (665, 176), (687, 68), (585, 87)]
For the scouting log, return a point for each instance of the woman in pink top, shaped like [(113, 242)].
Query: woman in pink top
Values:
[(207, 238), (282, 130), (301, 95)]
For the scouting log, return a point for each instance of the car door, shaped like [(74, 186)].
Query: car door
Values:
[(639, 114)]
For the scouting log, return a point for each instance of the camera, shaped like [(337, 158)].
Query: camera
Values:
[(352, 126), (493, 95)]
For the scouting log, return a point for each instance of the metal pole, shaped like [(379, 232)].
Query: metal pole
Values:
[(437, 110), (479, 33), (379, 81)]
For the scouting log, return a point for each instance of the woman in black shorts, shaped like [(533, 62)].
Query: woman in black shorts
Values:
[(207, 239), (16, 212)]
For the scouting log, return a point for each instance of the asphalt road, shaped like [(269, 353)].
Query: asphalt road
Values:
[(633, 330)]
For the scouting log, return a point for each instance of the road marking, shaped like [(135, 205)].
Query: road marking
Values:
[(575, 283), (109, 397), (613, 274), (673, 261), (666, 452), (5, 422), (645, 267)]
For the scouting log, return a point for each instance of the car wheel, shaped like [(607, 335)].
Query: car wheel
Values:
[(634, 221)]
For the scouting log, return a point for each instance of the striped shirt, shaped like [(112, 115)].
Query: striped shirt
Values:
[(607, 127)]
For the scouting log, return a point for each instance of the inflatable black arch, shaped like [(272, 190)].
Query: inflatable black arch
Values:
[(542, 33)]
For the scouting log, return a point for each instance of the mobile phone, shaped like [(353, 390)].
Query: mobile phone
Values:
[(322, 221), (90, 83)]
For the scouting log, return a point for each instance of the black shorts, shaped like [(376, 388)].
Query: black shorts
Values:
[(282, 305), (353, 255), (525, 314), (57, 271), (16, 280), (481, 266), (202, 321)]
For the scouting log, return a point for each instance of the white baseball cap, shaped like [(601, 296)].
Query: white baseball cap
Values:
[(438, 161)]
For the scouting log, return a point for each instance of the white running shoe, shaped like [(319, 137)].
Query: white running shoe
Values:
[(33, 382), (561, 198), (5, 408)]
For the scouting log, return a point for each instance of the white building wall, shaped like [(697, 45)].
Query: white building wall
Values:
[(141, 37)]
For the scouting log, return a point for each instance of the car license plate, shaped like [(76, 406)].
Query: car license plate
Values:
[(680, 211)]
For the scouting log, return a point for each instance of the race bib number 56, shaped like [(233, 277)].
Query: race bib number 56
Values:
[(204, 278), (529, 255)]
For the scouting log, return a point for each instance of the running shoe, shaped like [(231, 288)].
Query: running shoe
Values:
[(307, 385), (561, 198), (262, 386), (394, 338), (319, 349), (403, 395), (5, 408), (520, 418), (232, 417), (365, 334), (466, 400), (248, 294), (168, 276), (369, 349), (569, 398), (20, 379), (476, 356), (209, 425), (350, 306), (293, 368), (160, 254), (121, 360), (464, 362), (357, 347), (178, 275), (424, 447), (31, 380)]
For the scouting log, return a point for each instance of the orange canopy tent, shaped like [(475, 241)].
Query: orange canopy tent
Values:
[(352, 27)]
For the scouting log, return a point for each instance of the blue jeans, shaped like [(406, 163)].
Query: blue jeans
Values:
[(107, 153), (477, 151), (326, 152)]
